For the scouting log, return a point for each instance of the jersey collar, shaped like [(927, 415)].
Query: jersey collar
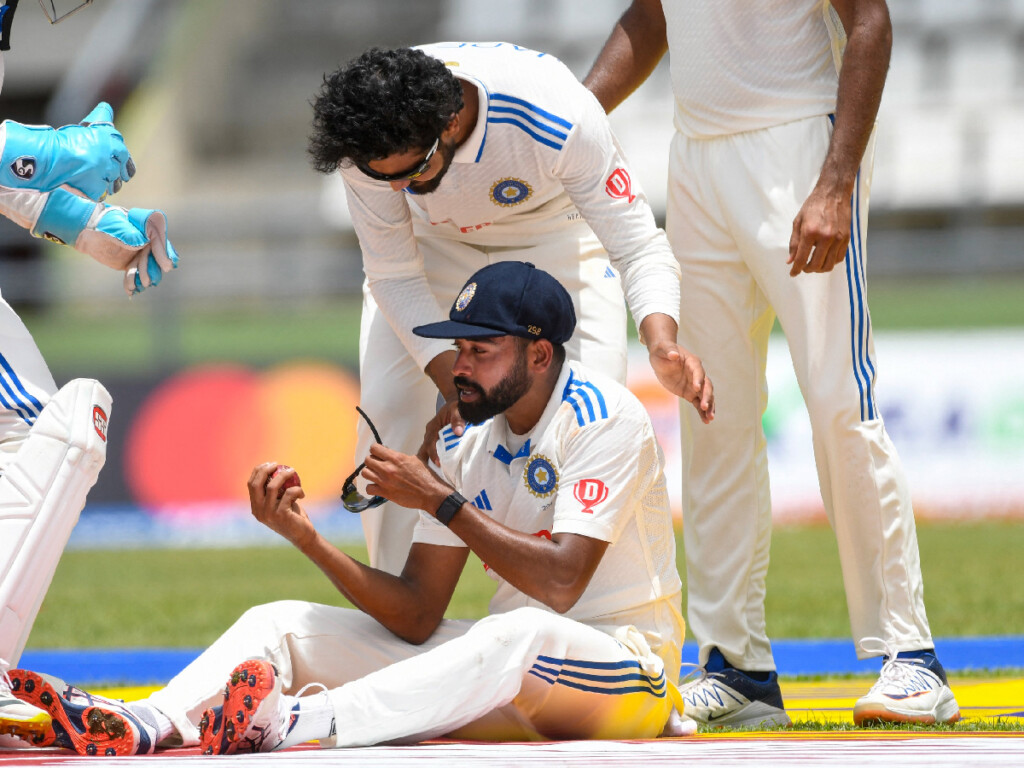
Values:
[(499, 433), (472, 148)]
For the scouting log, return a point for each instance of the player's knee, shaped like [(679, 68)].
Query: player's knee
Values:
[(506, 628), (77, 415), (272, 618)]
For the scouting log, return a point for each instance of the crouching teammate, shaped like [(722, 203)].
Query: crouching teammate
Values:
[(53, 442), (569, 512)]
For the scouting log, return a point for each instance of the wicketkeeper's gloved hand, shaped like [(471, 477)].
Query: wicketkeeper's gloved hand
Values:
[(90, 157), (131, 240)]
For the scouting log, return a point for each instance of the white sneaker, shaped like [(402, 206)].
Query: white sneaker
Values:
[(18, 719), (908, 690), (724, 696)]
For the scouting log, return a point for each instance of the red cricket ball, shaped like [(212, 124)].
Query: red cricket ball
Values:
[(291, 481)]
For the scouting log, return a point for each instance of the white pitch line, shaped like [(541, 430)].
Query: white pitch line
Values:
[(698, 751)]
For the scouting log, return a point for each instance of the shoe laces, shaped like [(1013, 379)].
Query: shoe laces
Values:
[(685, 683), (287, 706), (290, 704), (895, 671), (307, 686)]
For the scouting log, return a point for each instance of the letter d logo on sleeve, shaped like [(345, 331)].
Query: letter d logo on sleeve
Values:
[(620, 186), (590, 493)]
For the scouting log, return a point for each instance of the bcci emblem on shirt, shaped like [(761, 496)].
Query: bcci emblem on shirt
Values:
[(508, 192), (540, 476)]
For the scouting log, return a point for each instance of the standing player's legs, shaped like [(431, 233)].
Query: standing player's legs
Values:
[(524, 675), (725, 320), (306, 642), (828, 328)]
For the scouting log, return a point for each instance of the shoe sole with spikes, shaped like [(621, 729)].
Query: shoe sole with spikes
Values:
[(225, 730), (35, 731), (96, 726)]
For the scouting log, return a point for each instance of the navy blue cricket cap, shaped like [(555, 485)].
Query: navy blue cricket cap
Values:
[(509, 298)]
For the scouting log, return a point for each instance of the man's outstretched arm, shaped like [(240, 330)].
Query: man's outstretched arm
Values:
[(411, 605), (631, 53)]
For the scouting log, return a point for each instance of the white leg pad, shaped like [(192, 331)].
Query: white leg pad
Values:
[(42, 493)]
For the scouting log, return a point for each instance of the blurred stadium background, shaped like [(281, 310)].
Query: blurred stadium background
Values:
[(248, 351)]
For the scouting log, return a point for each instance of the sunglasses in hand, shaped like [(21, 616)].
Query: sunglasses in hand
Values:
[(351, 498)]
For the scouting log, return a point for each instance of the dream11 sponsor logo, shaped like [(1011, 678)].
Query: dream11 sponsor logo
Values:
[(590, 493), (99, 422), (620, 186)]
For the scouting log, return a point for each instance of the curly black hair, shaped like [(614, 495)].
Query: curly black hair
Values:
[(383, 102)]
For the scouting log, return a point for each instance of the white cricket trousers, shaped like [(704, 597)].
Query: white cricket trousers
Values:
[(731, 205), (52, 447), (400, 398), (524, 675), (26, 384)]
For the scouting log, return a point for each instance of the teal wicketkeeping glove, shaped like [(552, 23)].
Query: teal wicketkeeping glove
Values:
[(134, 241), (90, 157)]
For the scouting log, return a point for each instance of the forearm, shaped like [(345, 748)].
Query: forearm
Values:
[(406, 301), (658, 330), (861, 81), (631, 53), (650, 279), (553, 570), (535, 565), (22, 206), (394, 602)]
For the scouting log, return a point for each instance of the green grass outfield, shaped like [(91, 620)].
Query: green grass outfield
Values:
[(186, 598)]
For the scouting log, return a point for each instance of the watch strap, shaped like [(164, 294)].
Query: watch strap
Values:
[(452, 504)]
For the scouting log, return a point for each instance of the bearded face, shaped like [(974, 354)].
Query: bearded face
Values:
[(446, 149), (502, 396)]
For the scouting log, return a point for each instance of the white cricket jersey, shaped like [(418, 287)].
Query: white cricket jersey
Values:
[(540, 165), (743, 65), (591, 467)]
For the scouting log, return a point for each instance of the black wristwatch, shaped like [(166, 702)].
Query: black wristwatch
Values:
[(452, 504)]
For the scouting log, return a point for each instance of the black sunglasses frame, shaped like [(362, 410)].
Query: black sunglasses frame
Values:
[(415, 173), (351, 498)]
